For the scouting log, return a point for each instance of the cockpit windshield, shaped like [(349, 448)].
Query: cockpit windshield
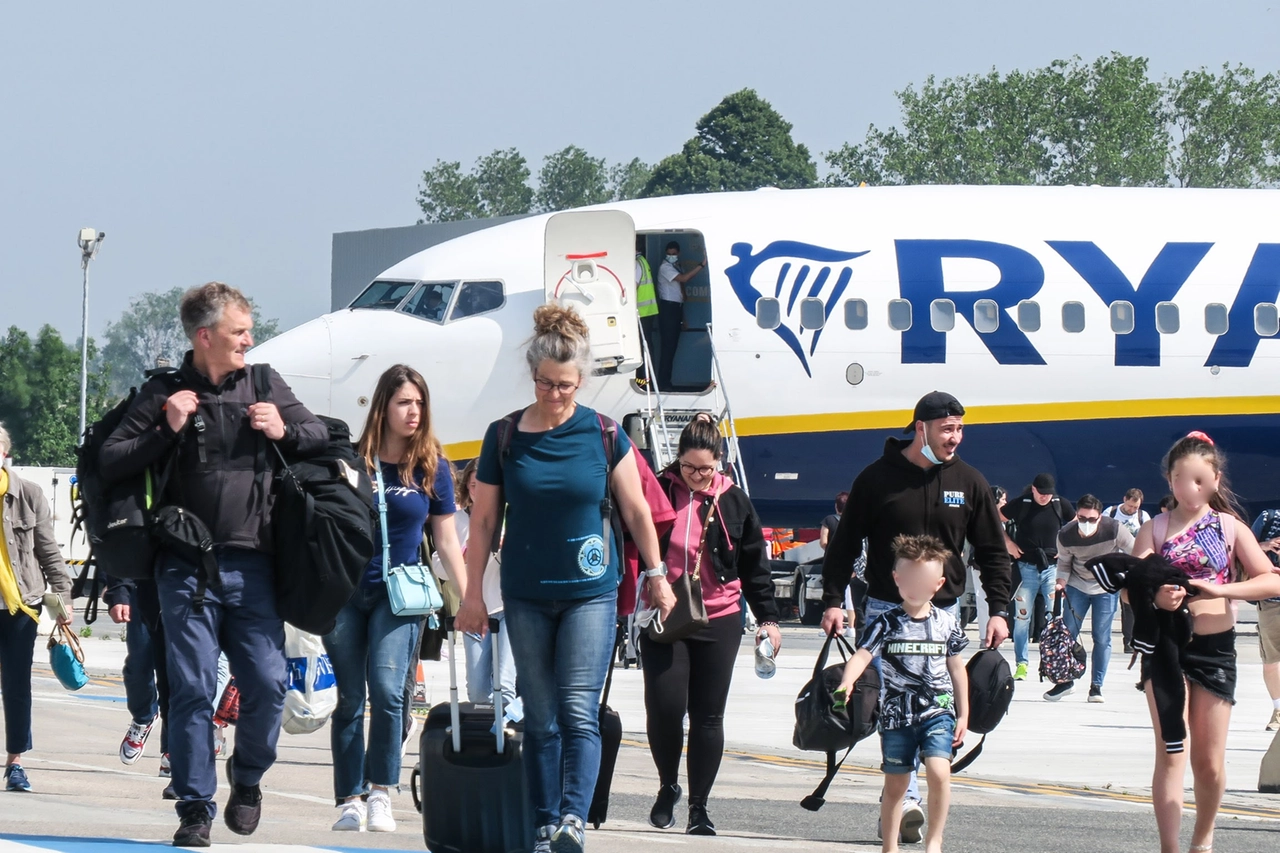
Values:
[(431, 300), (385, 295)]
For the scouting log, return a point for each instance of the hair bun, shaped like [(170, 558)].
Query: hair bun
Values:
[(557, 320)]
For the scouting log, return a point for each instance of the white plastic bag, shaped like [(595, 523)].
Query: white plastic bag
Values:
[(311, 692)]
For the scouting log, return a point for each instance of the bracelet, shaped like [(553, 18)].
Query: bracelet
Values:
[(766, 624)]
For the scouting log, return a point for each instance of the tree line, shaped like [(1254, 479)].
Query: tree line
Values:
[(40, 394), (1071, 122)]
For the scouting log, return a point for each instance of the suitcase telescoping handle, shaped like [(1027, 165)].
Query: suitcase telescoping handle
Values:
[(455, 712)]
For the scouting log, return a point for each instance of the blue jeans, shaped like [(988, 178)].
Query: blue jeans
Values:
[(479, 653), (239, 619), (903, 748), (139, 666), (876, 606), (562, 651), (369, 644), (1104, 606), (1034, 580)]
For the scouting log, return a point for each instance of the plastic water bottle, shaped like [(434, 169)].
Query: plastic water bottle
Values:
[(766, 666)]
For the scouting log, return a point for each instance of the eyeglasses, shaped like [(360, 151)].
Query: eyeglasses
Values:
[(546, 385), (1085, 519), (700, 470)]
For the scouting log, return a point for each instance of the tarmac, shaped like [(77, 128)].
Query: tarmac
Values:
[(1066, 776)]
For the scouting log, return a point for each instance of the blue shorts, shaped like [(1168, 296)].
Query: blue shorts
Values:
[(930, 739)]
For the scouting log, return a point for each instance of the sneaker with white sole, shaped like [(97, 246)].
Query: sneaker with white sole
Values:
[(166, 768), (380, 819), (570, 836), (1057, 691), (135, 740), (1020, 672), (1095, 695), (354, 817), (1274, 725), (542, 841), (15, 778), (219, 741), (910, 828)]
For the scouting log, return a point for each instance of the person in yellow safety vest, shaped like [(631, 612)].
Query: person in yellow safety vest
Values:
[(646, 306)]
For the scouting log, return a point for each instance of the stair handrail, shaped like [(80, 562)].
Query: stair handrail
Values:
[(652, 383)]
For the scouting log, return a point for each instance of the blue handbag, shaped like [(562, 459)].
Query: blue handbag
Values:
[(67, 658), (411, 589)]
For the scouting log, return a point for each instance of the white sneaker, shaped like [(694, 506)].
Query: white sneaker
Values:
[(135, 741), (380, 819), (909, 829), (219, 741), (353, 817), (166, 770)]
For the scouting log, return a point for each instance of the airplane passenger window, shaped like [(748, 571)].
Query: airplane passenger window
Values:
[(813, 313), (1215, 318), (383, 294), (1121, 317), (1266, 319), (942, 315), (1029, 316), (986, 316), (899, 315), (477, 297), (855, 314), (1167, 320), (1073, 317), (768, 313), (430, 301)]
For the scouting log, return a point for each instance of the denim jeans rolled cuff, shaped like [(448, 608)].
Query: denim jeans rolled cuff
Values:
[(1103, 607), (904, 748), (139, 673), (1033, 580), (17, 654), (562, 651), (371, 650)]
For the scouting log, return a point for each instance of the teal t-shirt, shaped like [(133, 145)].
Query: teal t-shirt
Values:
[(554, 482)]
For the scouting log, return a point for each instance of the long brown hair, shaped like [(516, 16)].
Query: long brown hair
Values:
[(424, 448), (462, 491), (1198, 444)]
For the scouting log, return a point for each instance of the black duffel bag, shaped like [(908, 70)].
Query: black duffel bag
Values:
[(820, 727)]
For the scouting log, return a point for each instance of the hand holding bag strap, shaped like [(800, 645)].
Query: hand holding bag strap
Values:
[(72, 641)]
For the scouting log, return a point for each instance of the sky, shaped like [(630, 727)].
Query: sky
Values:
[(229, 141)]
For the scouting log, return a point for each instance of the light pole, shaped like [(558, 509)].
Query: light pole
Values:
[(90, 239)]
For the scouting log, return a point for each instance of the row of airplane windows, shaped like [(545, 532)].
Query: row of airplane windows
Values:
[(986, 316)]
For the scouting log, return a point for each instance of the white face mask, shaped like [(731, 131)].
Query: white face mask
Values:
[(927, 452), (1087, 528), (671, 259)]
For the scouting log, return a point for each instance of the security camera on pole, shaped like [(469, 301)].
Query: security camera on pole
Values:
[(90, 240)]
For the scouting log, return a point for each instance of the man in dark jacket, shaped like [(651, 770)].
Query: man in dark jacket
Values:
[(918, 487), (222, 476)]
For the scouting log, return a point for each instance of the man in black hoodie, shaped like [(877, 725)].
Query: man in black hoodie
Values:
[(920, 486)]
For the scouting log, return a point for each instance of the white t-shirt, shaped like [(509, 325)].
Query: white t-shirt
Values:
[(1133, 522), (669, 289), (492, 574)]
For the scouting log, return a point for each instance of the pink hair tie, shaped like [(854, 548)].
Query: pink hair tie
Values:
[(1201, 436)]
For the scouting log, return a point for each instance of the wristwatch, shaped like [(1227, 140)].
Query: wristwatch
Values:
[(659, 571)]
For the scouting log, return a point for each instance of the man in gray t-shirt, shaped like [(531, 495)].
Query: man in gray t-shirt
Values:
[(1089, 535)]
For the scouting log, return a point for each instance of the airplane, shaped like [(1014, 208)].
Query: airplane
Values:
[(1083, 328)]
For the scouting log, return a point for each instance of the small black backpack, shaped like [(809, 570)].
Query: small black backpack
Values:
[(821, 728), (990, 693)]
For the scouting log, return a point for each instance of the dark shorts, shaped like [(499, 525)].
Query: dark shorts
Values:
[(1208, 661)]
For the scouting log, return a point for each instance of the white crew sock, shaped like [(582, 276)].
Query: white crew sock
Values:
[(1276, 703)]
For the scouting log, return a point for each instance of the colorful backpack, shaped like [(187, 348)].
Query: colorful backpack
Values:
[(1062, 657)]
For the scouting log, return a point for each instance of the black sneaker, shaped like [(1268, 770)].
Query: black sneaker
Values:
[(168, 793), (663, 813), (699, 823), (244, 806), (1059, 690), (194, 829), (1095, 695)]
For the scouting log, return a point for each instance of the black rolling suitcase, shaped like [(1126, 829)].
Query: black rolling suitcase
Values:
[(474, 798), (610, 740)]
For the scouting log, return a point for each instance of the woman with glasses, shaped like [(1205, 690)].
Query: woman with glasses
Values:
[(716, 533), (553, 467)]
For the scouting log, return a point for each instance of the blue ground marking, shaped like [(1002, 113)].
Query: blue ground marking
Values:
[(64, 844)]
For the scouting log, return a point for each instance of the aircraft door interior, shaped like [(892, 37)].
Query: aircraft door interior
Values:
[(690, 366)]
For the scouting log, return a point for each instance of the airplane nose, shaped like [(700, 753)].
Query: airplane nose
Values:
[(303, 358)]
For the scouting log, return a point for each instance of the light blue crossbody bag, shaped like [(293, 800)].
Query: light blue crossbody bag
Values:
[(411, 589)]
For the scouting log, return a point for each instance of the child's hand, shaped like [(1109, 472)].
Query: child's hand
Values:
[(962, 729), (841, 697)]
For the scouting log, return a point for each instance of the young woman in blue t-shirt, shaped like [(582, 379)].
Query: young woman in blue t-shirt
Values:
[(369, 643), (560, 569)]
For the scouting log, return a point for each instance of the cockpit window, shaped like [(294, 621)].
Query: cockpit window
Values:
[(477, 297), (431, 300), (383, 294)]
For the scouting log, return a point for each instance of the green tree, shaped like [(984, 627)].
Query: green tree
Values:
[(571, 178), (1227, 127), (448, 195), (742, 144), (502, 179), (497, 186), (150, 329), (628, 180), (40, 395)]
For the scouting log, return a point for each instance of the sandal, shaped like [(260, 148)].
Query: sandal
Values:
[(1201, 848)]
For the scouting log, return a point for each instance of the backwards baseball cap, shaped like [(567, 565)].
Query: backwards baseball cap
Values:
[(1044, 484), (935, 405)]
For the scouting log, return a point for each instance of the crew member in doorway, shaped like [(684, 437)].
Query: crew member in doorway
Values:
[(646, 308), (671, 281)]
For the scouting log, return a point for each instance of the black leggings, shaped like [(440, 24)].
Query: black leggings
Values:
[(690, 675)]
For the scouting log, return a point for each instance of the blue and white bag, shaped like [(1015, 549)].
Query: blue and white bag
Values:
[(411, 589), (311, 692)]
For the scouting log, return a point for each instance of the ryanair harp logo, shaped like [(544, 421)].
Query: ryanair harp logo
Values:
[(787, 273)]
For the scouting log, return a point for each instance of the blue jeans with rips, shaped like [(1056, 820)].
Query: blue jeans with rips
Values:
[(1104, 606), (1034, 580), (562, 651), (369, 645)]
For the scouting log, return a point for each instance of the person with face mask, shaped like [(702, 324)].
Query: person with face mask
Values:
[(671, 280), (920, 487), (1090, 534)]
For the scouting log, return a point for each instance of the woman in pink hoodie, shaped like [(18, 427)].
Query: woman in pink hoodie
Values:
[(717, 530)]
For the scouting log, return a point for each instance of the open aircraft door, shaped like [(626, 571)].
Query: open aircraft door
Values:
[(590, 266)]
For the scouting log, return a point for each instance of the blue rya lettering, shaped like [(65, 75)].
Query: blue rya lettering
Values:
[(1261, 284)]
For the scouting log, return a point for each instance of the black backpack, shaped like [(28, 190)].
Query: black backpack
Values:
[(117, 518), (820, 727), (322, 524), (990, 692)]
